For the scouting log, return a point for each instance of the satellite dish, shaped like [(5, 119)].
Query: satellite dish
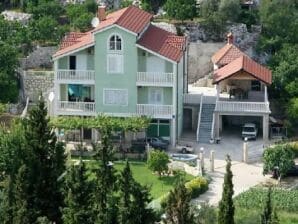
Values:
[(95, 22)]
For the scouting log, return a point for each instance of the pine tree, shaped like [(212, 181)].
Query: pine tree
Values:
[(7, 201), (226, 206), (134, 199), (125, 186), (21, 214), (141, 213), (105, 200), (78, 204), (178, 207), (45, 162)]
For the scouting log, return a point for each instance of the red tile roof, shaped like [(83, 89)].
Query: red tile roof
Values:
[(246, 64), (74, 41), (130, 18), (163, 42), (226, 55)]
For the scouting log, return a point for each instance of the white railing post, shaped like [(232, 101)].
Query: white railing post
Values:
[(155, 78)]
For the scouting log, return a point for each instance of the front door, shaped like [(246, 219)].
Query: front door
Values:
[(155, 96)]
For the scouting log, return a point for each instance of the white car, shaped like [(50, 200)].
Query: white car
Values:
[(184, 148), (249, 131)]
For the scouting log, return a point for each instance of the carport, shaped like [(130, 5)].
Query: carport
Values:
[(232, 124)]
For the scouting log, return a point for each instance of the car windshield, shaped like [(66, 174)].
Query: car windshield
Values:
[(248, 129)]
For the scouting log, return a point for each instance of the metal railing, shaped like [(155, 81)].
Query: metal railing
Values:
[(155, 111), (82, 75), (155, 78)]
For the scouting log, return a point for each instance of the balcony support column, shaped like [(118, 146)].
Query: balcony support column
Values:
[(216, 124), (266, 94), (265, 127), (56, 90)]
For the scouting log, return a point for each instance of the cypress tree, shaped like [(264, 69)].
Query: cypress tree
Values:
[(78, 204), (105, 200), (226, 206), (269, 215), (178, 207), (45, 162)]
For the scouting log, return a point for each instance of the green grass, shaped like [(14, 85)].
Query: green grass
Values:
[(249, 205), (158, 186)]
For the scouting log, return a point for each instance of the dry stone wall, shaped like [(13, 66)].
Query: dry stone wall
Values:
[(36, 82)]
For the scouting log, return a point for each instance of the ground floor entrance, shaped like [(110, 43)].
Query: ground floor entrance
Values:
[(232, 124), (159, 128)]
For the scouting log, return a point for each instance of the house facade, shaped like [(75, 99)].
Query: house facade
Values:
[(124, 67), (241, 86)]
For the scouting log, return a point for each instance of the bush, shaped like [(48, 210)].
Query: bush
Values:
[(197, 186), (280, 156), (158, 161), (294, 148)]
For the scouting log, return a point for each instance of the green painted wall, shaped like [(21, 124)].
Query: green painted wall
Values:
[(180, 97), (141, 61), (127, 80), (63, 92), (168, 67)]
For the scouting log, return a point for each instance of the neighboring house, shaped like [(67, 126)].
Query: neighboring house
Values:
[(245, 83), (20, 17), (123, 67)]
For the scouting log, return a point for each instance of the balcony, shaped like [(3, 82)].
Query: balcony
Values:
[(155, 111), (75, 108), (242, 107), (155, 79), (76, 76)]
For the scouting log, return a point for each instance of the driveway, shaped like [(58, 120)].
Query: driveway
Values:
[(231, 143)]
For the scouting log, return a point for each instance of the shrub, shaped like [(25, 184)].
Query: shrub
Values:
[(197, 186), (294, 148), (158, 161), (280, 156)]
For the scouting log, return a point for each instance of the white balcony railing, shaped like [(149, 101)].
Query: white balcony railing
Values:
[(76, 75), (68, 106), (155, 111), (253, 107), (155, 79)]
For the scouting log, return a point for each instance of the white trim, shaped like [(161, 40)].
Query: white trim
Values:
[(156, 54), (108, 44), (113, 89), (111, 26), (73, 51)]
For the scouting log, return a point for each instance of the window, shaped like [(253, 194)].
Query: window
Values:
[(115, 63), (115, 97), (155, 96), (255, 85), (115, 43)]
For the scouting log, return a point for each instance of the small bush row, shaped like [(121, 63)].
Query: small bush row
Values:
[(197, 186)]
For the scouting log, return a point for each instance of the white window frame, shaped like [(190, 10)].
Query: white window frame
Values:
[(108, 43), (150, 89), (113, 104), (118, 70)]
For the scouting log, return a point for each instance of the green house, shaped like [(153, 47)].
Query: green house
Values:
[(125, 66)]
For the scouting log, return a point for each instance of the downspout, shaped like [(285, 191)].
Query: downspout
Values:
[(177, 114)]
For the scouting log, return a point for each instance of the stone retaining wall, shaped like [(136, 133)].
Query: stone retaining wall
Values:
[(36, 82)]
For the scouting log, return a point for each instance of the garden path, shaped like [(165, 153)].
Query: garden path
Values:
[(245, 176)]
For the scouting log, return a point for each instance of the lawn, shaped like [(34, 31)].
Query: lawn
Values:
[(158, 186), (249, 205)]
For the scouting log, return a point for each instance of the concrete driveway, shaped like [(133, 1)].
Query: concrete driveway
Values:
[(231, 143)]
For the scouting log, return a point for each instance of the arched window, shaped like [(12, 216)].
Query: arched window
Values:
[(115, 43)]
